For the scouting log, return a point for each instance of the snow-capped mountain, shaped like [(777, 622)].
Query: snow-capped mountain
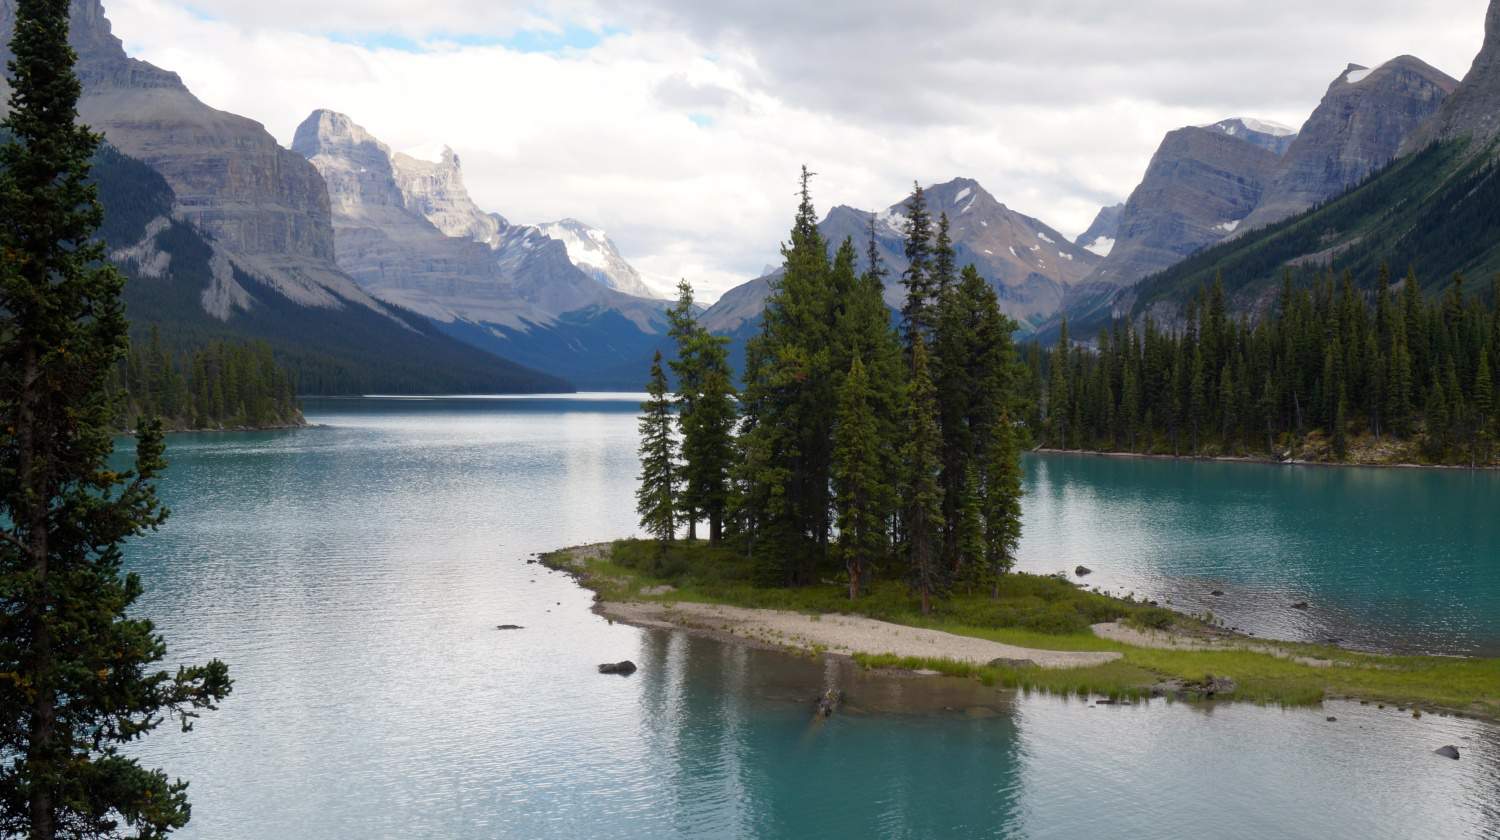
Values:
[(407, 230), (592, 251)]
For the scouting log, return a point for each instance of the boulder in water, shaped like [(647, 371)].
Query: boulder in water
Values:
[(509, 627), (1083, 570), (1448, 751), (624, 668)]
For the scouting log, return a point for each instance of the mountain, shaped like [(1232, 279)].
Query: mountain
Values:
[(1271, 136), (1360, 125), (1099, 238), (1435, 210), (1472, 112), (1028, 262), (240, 240), (409, 233), (592, 251), (1199, 186)]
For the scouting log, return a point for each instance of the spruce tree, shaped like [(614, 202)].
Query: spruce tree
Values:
[(81, 678), (1002, 501), (706, 416), (922, 494), (656, 497), (919, 280), (861, 496), (789, 405), (1484, 406)]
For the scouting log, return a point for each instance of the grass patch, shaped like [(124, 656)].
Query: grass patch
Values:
[(1049, 613)]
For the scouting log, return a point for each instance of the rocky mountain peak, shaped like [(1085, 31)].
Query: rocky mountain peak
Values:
[(1361, 124), (1473, 109), (435, 189), (1200, 185)]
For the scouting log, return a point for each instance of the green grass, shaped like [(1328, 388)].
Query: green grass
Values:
[(1051, 614)]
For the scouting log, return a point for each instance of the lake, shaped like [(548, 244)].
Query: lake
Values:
[(352, 576)]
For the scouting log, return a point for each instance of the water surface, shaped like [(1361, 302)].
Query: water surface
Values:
[(352, 575)]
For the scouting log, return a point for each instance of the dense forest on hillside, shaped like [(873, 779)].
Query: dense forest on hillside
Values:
[(1335, 372), (222, 385)]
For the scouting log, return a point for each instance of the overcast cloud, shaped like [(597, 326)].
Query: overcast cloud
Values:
[(678, 126)]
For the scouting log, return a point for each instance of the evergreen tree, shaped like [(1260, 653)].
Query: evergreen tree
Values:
[(861, 497), (789, 404), (656, 498), (706, 416), (80, 674), (1002, 502), (1484, 406), (919, 277), (922, 494)]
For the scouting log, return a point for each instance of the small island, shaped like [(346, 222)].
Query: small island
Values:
[(1042, 633)]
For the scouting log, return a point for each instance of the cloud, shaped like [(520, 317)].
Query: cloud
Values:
[(679, 126)]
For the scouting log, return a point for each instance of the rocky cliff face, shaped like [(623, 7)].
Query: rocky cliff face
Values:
[(435, 189), (1200, 185), (1360, 125), (267, 207), (1028, 262), (1100, 237), (592, 251), (408, 231), (1473, 110)]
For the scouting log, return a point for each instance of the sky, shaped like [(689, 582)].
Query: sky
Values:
[(679, 126)]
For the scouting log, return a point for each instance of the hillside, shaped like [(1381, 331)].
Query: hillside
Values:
[(178, 279)]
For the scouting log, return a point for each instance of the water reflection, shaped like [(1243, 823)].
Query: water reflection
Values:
[(353, 576)]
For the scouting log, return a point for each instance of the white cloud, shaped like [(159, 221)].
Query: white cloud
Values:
[(680, 131)]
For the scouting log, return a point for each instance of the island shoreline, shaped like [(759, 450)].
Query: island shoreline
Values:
[(1022, 668)]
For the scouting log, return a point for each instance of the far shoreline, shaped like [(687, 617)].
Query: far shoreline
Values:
[(1257, 459)]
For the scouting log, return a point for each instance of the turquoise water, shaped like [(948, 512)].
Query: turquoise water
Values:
[(353, 574), (1386, 559)]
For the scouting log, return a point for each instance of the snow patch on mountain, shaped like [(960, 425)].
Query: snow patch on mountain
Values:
[(1101, 246), (591, 250), (1357, 75)]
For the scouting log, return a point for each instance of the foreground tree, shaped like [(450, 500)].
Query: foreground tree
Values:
[(860, 495), (1002, 502), (922, 492), (706, 414), (656, 499), (77, 677)]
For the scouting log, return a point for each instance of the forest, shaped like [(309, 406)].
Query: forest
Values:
[(221, 385), (1333, 372)]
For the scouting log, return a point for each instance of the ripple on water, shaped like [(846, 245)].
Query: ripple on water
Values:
[(353, 576)]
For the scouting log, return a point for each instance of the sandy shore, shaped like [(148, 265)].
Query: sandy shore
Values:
[(839, 634)]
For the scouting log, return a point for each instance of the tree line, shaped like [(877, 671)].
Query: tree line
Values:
[(854, 448), (1330, 364), (220, 385)]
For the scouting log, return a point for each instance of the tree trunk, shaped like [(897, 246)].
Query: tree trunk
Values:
[(853, 579), (33, 477), (715, 527)]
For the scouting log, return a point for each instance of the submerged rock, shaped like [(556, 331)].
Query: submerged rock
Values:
[(509, 627), (1448, 751), (829, 703), (624, 668), (1300, 605)]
